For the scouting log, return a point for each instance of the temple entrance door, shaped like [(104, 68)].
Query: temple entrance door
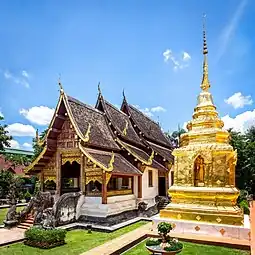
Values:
[(162, 186), (70, 177), (199, 171)]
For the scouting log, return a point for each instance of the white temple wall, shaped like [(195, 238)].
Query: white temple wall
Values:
[(149, 193)]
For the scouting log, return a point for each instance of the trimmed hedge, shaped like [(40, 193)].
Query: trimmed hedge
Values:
[(42, 238)]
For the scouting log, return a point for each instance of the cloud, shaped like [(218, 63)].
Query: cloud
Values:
[(229, 30), (238, 100), (27, 145), (158, 109), (18, 129), (25, 74), (20, 80), (186, 56), (179, 63), (241, 122), (149, 111), (40, 115), (14, 144)]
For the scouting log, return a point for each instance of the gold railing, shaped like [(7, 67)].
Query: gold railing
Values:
[(119, 192)]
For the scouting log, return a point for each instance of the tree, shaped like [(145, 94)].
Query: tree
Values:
[(17, 159), (37, 148), (175, 136), (4, 137), (245, 167)]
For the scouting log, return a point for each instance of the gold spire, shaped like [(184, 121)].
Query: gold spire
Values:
[(205, 81)]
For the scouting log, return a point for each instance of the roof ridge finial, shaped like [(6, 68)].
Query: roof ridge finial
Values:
[(99, 89), (123, 94), (60, 84), (205, 81)]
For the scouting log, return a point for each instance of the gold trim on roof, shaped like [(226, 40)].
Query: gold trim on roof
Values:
[(28, 168), (124, 132), (148, 162), (99, 164), (87, 133)]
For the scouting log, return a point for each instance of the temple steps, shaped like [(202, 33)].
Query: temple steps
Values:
[(27, 223)]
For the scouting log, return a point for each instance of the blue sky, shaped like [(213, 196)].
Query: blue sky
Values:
[(152, 49)]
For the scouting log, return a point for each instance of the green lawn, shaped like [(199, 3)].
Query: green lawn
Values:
[(4, 211), (191, 249), (77, 241)]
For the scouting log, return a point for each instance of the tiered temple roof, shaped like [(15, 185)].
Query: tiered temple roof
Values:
[(107, 136)]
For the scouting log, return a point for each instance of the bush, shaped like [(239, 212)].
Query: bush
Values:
[(27, 196), (42, 238), (153, 241), (245, 206), (173, 246)]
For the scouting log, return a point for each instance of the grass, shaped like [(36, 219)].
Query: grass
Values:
[(3, 212), (191, 249), (77, 241)]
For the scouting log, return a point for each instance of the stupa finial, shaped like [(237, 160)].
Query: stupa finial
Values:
[(123, 94), (205, 85)]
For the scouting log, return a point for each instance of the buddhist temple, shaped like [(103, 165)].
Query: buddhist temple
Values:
[(204, 169), (116, 158)]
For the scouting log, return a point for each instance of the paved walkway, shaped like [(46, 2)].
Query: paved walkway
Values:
[(11, 235), (119, 242)]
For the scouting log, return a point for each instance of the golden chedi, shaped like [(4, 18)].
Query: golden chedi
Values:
[(204, 170)]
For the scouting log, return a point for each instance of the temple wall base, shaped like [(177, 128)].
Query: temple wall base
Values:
[(203, 228)]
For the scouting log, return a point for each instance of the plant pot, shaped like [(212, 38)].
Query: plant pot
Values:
[(157, 250)]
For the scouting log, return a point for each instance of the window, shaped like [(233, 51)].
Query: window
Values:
[(150, 178)]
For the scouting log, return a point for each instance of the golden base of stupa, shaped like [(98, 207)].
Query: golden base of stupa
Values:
[(211, 205)]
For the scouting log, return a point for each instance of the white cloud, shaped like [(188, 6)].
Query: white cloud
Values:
[(158, 109), (238, 100), (27, 145), (241, 122), (177, 63), (149, 111), (186, 56), (18, 129), (14, 144), (25, 74), (20, 80), (229, 30), (40, 115)]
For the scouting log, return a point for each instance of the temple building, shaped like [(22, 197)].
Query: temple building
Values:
[(115, 158), (204, 170)]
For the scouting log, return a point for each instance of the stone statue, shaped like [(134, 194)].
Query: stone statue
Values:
[(11, 216), (48, 219)]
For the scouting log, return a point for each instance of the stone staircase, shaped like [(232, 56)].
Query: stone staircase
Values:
[(27, 223)]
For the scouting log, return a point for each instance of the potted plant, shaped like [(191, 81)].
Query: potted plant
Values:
[(27, 196), (165, 244)]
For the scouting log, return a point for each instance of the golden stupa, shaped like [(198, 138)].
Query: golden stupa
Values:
[(204, 170)]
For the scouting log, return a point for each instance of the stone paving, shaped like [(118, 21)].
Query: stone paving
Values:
[(118, 243), (11, 235)]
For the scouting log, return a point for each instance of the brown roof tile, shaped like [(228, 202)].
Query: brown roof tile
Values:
[(120, 164), (163, 152), (148, 127), (100, 134), (121, 122)]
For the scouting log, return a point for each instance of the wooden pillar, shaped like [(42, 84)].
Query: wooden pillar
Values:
[(82, 175), (41, 179), (139, 186), (58, 173), (104, 189), (167, 181)]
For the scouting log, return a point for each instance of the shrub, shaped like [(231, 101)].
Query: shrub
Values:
[(173, 246), (40, 237), (153, 241), (245, 206), (27, 195)]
